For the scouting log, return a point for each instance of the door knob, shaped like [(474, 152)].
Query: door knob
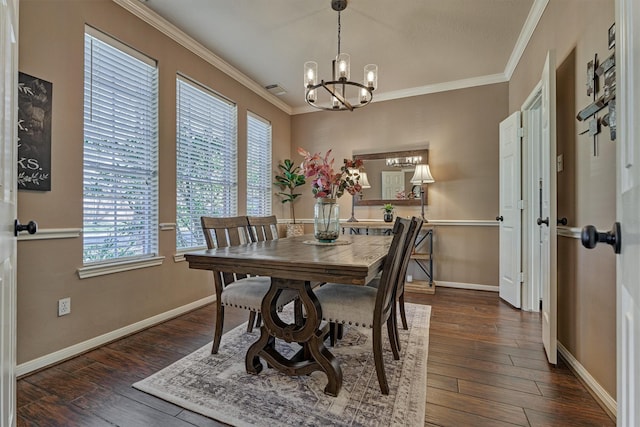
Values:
[(499, 218), (545, 221), (591, 237), (562, 221), (31, 227)]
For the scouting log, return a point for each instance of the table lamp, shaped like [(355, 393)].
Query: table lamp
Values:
[(421, 176), (364, 183)]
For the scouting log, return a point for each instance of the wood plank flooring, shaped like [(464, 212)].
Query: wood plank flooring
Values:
[(486, 368)]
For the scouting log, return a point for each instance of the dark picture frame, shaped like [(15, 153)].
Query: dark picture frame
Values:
[(34, 133), (612, 35)]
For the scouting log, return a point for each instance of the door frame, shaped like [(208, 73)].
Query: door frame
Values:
[(532, 138), (8, 207), (627, 206)]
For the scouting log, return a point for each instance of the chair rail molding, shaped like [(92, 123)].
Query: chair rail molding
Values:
[(52, 233)]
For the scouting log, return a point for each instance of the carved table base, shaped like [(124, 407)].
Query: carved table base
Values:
[(313, 356)]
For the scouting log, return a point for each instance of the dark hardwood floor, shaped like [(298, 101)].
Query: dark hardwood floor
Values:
[(486, 368)]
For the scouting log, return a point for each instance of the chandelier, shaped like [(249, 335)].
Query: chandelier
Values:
[(339, 88)]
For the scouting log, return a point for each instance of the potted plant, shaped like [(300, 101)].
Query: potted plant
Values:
[(288, 180), (388, 212)]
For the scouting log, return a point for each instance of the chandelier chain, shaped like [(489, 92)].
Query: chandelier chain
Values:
[(339, 30)]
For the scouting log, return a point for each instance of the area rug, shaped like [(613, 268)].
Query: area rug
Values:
[(217, 385)]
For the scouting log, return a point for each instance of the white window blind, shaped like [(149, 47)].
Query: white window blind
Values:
[(120, 203), (206, 160), (259, 174)]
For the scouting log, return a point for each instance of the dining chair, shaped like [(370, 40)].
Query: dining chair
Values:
[(402, 274), (236, 290), (370, 307), (263, 228)]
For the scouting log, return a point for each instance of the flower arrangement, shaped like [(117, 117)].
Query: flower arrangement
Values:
[(325, 181)]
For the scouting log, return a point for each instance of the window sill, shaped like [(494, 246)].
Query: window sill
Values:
[(118, 267)]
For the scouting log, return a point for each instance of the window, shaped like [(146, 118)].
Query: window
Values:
[(259, 179), (120, 204), (206, 160)]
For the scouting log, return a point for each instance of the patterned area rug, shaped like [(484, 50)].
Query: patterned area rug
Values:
[(217, 385)]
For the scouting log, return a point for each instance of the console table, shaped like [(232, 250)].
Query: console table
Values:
[(422, 259)]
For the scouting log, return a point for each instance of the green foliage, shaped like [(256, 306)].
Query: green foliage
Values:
[(388, 207), (288, 180)]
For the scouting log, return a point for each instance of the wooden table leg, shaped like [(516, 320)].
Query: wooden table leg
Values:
[(306, 332)]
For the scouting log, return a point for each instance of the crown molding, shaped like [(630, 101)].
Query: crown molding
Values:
[(525, 35), (150, 17)]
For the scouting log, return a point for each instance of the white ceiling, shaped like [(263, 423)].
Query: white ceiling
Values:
[(420, 46)]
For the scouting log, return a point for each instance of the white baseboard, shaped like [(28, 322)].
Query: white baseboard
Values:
[(76, 349), (600, 394), (472, 286)]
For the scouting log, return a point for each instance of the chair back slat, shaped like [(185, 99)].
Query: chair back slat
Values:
[(406, 257), (225, 232), (386, 290), (263, 228)]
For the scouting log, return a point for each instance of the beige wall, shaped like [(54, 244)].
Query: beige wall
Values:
[(460, 129), (51, 47), (577, 30)]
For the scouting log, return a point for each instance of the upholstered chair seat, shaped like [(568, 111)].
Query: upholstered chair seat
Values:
[(248, 293)]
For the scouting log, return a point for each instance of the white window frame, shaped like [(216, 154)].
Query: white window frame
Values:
[(259, 166), (126, 172), (206, 160)]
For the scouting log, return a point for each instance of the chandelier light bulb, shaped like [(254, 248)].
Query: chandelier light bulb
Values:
[(342, 66), (371, 75), (363, 95), (310, 73)]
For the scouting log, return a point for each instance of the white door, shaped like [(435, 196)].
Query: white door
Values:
[(628, 212), (392, 183), (8, 138), (548, 218), (510, 210)]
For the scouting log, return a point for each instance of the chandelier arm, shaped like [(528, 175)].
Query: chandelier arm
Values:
[(326, 85), (338, 96)]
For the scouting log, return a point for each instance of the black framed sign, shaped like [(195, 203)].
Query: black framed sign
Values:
[(34, 133)]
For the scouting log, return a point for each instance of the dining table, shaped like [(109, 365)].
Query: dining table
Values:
[(298, 263)]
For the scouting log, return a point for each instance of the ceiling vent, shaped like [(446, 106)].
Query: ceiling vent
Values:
[(276, 89)]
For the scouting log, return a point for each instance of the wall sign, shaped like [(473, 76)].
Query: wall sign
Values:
[(34, 133)]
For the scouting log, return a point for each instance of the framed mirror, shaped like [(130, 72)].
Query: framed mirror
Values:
[(389, 175)]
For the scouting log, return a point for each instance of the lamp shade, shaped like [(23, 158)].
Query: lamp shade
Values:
[(422, 175), (364, 182)]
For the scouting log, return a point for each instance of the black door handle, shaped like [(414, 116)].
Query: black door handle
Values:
[(499, 218), (591, 237), (31, 227), (562, 221), (541, 221)]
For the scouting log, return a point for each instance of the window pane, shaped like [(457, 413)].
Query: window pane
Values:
[(120, 204), (206, 145), (259, 179)]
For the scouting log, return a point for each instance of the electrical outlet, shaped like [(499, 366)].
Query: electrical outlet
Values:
[(64, 306)]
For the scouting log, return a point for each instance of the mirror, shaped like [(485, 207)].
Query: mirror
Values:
[(398, 189)]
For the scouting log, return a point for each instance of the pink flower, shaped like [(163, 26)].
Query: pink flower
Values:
[(325, 181)]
